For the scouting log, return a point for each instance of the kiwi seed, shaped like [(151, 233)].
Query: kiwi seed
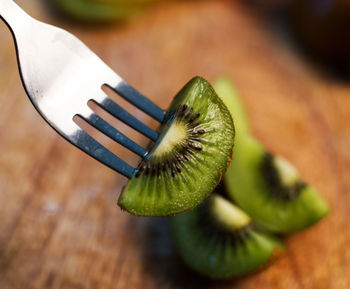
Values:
[(183, 152), (218, 240), (277, 188), (264, 185), (189, 158)]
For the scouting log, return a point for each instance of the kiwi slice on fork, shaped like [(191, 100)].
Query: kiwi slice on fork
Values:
[(264, 185), (190, 157), (219, 240)]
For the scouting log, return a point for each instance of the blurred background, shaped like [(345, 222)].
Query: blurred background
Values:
[(60, 226)]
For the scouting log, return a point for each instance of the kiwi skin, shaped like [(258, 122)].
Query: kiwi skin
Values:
[(247, 180), (219, 241), (174, 180)]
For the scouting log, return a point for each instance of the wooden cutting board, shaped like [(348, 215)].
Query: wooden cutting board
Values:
[(60, 226)]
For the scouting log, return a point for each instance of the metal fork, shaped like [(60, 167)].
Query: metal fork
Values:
[(61, 75)]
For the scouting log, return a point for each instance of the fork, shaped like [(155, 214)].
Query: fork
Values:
[(61, 75)]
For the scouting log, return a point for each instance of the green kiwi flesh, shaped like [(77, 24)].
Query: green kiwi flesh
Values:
[(218, 240), (188, 161), (97, 11), (230, 97), (267, 187)]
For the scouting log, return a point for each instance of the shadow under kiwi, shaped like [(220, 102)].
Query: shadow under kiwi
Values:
[(163, 265)]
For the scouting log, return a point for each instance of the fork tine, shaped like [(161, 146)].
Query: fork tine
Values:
[(86, 143), (114, 134), (121, 114), (136, 98)]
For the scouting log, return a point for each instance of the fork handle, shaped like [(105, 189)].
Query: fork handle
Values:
[(14, 16)]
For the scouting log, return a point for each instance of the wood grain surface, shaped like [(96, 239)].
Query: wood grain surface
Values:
[(60, 226)]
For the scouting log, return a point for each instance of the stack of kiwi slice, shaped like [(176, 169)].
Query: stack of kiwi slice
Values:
[(98, 11), (190, 157), (219, 240), (264, 185), (230, 233)]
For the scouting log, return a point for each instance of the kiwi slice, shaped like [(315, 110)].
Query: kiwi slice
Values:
[(102, 10), (266, 186), (189, 159), (219, 240)]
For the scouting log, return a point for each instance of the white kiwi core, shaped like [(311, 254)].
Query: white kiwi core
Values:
[(174, 136), (287, 172), (228, 215)]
